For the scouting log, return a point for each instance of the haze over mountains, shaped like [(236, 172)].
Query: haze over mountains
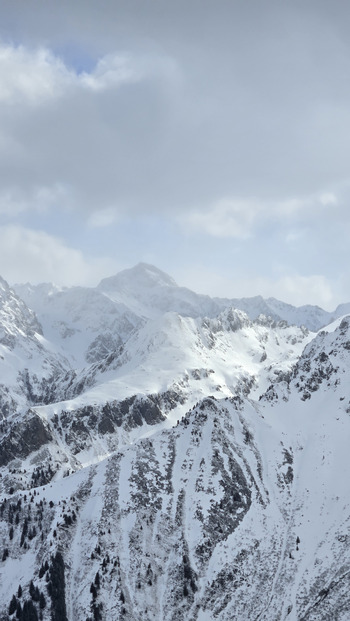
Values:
[(165, 455)]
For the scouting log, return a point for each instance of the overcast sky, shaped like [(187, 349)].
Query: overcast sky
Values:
[(208, 137)]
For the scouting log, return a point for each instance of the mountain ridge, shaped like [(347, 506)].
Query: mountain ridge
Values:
[(145, 277)]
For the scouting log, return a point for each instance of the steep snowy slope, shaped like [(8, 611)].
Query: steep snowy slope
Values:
[(27, 363), (342, 309), (312, 411), (83, 323), (312, 317), (192, 358), (239, 512)]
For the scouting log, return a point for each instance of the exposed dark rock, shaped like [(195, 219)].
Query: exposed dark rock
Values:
[(23, 439)]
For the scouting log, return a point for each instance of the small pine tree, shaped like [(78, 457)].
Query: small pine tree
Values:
[(29, 612), (41, 571), (31, 589), (13, 605), (20, 591), (93, 590), (58, 604), (42, 601)]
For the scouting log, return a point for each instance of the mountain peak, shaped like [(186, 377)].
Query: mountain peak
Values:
[(142, 275)]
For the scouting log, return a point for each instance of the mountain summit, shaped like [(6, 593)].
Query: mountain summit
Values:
[(142, 276), (149, 292)]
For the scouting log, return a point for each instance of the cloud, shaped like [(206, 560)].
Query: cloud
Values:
[(240, 218), (13, 201), (102, 218), (110, 72), (115, 69), (227, 218), (94, 132), (160, 122), (35, 76), (328, 198), (31, 76), (294, 288), (232, 121), (35, 256)]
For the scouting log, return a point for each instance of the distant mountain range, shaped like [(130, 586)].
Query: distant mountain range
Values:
[(169, 456), (71, 317)]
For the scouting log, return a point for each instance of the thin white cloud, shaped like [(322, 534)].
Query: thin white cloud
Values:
[(115, 69), (103, 218), (294, 289), (31, 76), (295, 236), (35, 256), (13, 201), (110, 71), (238, 218), (226, 218), (328, 199), (298, 290), (36, 76)]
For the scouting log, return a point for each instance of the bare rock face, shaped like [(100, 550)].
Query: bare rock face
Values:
[(15, 317), (23, 438)]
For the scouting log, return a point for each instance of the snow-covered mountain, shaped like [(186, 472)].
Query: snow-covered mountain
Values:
[(165, 456), (82, 322), (312, 317), (150, 292), (122, 302), (29, 365)]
